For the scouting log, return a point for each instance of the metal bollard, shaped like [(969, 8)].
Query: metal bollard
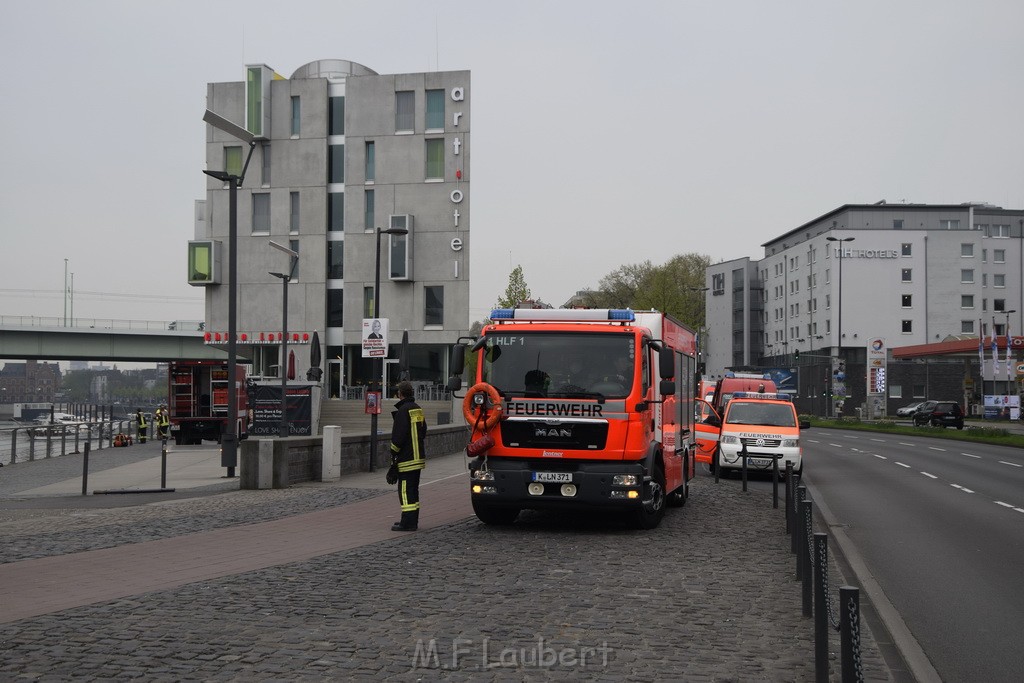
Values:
[(85, 469), (801, 493), (743, 455), (820, 608), (775, 482), (49, 441), (789, 497), (849, 634), (163, 465), (805, 556), (14, 446)]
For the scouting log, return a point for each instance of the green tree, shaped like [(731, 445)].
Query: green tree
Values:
[(517, 291)]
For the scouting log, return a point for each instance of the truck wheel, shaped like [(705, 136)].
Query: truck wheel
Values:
[(652, 506), (494, 515)]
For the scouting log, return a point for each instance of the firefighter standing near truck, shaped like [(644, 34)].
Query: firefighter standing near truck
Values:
[(407, 456), (140, 421), (163, 422)]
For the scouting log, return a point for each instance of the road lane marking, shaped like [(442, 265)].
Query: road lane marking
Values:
[(902, 465), (1008, 505), (879, 440), (1011, 464), (969, 455), (837, 445), (906, 444), (929, 475), (933, 448), (958, 486), (879, 456)]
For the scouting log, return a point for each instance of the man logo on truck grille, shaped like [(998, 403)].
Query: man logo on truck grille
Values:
[(553, 431)]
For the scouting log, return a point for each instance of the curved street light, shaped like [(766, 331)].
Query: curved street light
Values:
[(839, 305)]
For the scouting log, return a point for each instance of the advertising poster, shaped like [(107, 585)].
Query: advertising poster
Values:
[(375, 337), (373, 402), (265, 409), (1002, 407)]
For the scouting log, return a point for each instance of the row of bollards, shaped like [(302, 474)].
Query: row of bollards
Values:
[(811, 551)]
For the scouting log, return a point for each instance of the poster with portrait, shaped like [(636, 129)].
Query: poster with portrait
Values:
[(375, 337)]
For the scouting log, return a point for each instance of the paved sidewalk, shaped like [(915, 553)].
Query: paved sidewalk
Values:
[(309, 583)]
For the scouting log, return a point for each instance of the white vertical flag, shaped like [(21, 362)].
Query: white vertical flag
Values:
[(1009, 356), (981, 349), (995, 351)]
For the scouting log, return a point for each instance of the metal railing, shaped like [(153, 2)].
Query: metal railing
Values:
[(57, 322), (21, 444)]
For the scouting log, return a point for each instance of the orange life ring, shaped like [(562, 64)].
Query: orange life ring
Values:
[(473, 412)]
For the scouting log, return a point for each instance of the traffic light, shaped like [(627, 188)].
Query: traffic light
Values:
[(796, 355)]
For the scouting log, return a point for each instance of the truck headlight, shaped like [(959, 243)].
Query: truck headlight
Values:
[(733, 440), (483, 475), (625, 480)]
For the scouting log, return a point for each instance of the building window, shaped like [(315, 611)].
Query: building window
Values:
[(998, 256), (265, 164), (335, 260), (337, 114), (966, 250), (983, 227), (398, 257), (368, 302), (998, 305), (718, 283), (368, 210), (1000, 231), (967, 276), (897, 224), (254, 100), (908, 300), (294, 246), (336, 211), (335, 307), (370, 166), (435, 110), (336, 161), (908, 326), (998, 280), (433, 305), (966, 327), (828, 301), (296, 115), (966, 301), (905, 249), (984, 279), (233, 161), (905, 275), (405, 111), (293, 213), (261, 212), (435, 159), (953, 224)]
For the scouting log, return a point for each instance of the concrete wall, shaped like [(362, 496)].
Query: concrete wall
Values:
[(279, 463)]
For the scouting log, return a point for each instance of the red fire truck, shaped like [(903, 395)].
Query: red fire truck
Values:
[(580, 409), (197, 400)]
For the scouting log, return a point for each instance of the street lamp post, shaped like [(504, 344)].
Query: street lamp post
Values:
[(229, 439), (378, 363), (839, 305), (282, 431)]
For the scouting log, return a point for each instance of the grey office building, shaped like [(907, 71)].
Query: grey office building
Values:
[(866, 276), (340, 151)]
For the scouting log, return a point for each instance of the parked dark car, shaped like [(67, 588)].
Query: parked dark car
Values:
[(920, 415), (908, 410), (942, 414)]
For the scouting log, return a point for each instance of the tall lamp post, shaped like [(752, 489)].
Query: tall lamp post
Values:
[(282, 430), (839, 304), (378, 364), (229, 439), (701, 329)]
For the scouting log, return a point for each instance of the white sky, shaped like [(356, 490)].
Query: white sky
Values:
[(603, 134)]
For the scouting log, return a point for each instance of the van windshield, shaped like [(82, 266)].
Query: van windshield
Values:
[(551, 364), (762, 414)]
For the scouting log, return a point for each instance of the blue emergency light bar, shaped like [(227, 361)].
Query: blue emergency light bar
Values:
[(747, 375), (756, 394), (565, 314)]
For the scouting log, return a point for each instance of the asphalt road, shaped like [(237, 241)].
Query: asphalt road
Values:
[(940, 525)]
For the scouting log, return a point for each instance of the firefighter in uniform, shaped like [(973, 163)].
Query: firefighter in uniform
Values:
[(407, 456), (141, 426), (163, 422)]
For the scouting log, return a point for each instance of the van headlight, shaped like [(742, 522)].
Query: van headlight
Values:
[(791, 443), (733, 440)]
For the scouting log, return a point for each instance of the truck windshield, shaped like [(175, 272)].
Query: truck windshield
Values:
[(560, 365), (764, 414)]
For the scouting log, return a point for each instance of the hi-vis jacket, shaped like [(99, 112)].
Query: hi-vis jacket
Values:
[(408, 435)]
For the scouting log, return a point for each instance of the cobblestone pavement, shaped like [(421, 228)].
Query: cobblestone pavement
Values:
[(707, 596)]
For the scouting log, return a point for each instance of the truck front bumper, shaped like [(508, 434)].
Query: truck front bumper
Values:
[(564, 484)]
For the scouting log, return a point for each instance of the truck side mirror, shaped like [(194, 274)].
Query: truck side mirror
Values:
[(458, 364), (667, 387), (667, 363)]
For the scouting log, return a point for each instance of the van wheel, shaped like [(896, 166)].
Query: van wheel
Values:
[(652, 507)]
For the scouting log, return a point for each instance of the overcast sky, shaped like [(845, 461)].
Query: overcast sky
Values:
[(603, 133)]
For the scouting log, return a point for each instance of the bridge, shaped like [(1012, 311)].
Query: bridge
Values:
[(41, 338)]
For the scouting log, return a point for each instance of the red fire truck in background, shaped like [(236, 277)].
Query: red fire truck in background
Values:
[(197, 399), (580, 409)]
